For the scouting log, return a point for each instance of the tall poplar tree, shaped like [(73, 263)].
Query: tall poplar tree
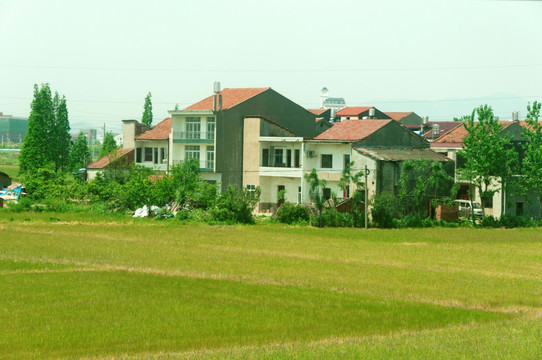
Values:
[(47, 141), (80, 154), (35, 152), (60, 138), (147, 111)]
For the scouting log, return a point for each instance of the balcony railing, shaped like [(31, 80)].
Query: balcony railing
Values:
[(204, 165), (194, 136)]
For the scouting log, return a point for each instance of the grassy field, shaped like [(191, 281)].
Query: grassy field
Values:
[(73, 287)]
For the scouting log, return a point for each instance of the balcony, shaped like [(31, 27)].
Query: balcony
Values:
[(204, 166), (194, 137), (281, 171)]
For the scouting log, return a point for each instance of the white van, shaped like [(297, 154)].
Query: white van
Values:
[(464, 208)]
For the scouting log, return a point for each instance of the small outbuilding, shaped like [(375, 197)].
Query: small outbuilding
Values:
[(5, 180)]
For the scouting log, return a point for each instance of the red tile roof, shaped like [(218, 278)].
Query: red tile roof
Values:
[(318, 111), (160, 131), (230, 98), (397, 116), (126, 156), (454, 137), (353, 110), (444, 127), (352, 130), (402, 154)]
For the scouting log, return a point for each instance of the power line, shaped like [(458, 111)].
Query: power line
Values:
[(128, 69)]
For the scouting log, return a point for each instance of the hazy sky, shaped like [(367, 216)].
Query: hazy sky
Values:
[(435, 57)]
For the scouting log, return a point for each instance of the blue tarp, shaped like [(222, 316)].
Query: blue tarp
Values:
[(11, 194)]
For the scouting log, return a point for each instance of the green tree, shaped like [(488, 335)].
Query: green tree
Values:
[(421, 181), (47, 140), (532, 162), (109, 144), (80, 154), (358, 194), (147, 111), (316, 187), (59, 136), (187, 181), (35, 152), (236, 205), (489, 156)]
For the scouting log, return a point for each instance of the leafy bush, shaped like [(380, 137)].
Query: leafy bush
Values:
[(236, 205), (183, 215), (24, 204), (385, 209), (510, 222), (291, 214), (45, 183), (490, 221)]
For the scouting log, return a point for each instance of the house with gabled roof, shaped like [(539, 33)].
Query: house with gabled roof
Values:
[(322, 113), (360, 113), (118, 160), (281, 162), (212, 130), (381, 145), (451, 142), (152, 146), (435, 129), (409, 119)]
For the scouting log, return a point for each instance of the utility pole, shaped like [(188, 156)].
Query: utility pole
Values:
[(366, 198), (104, 133)]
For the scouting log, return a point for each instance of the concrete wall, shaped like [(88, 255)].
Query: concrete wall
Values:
[(251, 154), (268, 200), (229, 129), (131, 129)]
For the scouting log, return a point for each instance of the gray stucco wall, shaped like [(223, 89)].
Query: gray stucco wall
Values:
[(394, 135), (229, 129)]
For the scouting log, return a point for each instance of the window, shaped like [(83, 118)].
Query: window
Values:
[(346, 160), (281, 194), (162, 155), (193, 129), (138, 155), (265, 157), (297, 157), (210, 157), (148, 154), (279, 157), (210, 128), (327, 161), (327, 193), (288, 158), (156, 155), (191, 152), (251, 188), (299, 194), (346, 191), (519, 209), (487, 202)]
